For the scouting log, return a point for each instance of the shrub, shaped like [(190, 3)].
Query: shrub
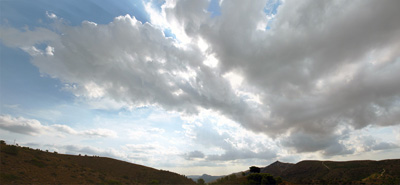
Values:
[(154, 182), (37, 163), (10, 149), (8, 177), (260, 179)]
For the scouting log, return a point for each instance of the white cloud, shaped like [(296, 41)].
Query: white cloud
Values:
[(64, 129), (22, 125), (100, 132), (34, 127), (51, 15)]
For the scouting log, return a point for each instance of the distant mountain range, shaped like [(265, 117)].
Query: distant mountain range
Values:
[(205, 177), (23, 165)]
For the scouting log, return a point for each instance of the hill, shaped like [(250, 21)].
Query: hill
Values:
[(22, 165), (320, 172), (276, 168)]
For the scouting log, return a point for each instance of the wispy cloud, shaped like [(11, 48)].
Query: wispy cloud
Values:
[(34, 127)]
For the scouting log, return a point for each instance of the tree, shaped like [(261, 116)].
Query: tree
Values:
[(260, 179), (201, 181), (254, 169)]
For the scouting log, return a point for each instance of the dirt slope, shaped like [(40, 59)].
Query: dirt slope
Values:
[(22, 165)]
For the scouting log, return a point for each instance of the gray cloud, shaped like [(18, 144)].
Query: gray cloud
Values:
[(193, 155), (322, 64), (328, 145), (369, 143)]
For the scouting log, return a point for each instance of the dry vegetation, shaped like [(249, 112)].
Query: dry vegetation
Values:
[(22, 165), (332, 172)]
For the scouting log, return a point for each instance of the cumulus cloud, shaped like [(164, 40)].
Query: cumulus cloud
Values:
[(21, 125), (321, 65)]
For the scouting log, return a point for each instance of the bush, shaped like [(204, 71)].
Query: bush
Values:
[(154, 182), (37, 163), (8, 177), (10, 149), (260, 179)]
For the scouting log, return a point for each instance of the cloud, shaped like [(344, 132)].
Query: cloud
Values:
[(242, 154), (89, 150), (321, 65), (34, 127), (327, 145), (100, 132), (193, 155), (369, 143), (22, 125), (233, 145), (64, 129)]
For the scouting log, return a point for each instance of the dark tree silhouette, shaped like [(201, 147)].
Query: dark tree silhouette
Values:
[(201, 181), (254, 169)]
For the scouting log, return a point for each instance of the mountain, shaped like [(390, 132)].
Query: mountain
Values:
[(320, 172), (276, 168), (22, 165), (205, 177)]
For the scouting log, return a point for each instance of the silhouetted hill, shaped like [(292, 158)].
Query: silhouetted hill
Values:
[(276, 168), (22, 165)]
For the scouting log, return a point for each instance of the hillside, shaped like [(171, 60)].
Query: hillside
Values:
[(320, 172), (22, 165), (306, 172), (276, 168)]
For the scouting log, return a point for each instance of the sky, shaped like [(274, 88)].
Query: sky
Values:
[(205, 86)]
